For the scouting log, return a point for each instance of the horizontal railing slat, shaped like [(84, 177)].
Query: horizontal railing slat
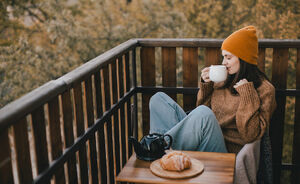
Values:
[(194, 90), (205, 42), (288, 166)]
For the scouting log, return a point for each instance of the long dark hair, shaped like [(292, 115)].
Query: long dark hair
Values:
[(247, 71)]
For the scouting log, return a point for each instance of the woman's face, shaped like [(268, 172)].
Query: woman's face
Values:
[(231, 62)]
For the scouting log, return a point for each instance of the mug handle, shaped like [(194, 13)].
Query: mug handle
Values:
[(171, 140)]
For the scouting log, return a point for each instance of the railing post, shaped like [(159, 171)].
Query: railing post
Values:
[(90, 121), (101, 134), (131, 120), (55, 136), (190, 75), (279, 79), (169, 68), (40, 141), (134, 84), (79, 120), (108, 123), (261, 59), (6, 173), (296, 140), (212, 56), (122, 108), (115, 115), (68, 131), (148, 79)]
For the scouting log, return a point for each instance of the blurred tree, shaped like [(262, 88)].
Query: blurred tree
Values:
[(41, 40)]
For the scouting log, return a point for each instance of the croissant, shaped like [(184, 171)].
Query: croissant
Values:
[(175, 161)]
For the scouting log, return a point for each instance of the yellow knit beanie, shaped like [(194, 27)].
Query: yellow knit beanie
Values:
[(243, 44)]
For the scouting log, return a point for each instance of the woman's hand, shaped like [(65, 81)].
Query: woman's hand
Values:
[(241, 82), (205, 74)]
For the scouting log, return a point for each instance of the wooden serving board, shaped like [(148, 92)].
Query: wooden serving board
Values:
[(196, 168)]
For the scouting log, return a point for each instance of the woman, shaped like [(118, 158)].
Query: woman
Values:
[(229, 114)]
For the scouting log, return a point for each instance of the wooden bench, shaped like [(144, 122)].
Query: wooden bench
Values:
[(46, 129)]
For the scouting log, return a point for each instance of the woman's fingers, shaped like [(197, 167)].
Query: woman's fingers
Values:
[(205, 74), (206, 69), (241, 82)]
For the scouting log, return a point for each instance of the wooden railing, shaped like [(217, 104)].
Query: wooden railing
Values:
[(278, 66), (71, 122), (75, 129)]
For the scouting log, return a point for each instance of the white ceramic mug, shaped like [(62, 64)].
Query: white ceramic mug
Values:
[(217, 73)]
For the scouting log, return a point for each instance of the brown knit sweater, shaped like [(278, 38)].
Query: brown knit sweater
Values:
[(243, 117)]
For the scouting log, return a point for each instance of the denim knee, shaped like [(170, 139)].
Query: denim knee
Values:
[(156, 99), (202, 111), (203, 114)]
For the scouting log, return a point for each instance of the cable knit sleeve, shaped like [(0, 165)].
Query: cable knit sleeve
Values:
[(255, 110), (204, 93)]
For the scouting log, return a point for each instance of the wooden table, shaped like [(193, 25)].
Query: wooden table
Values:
[(218, 168)]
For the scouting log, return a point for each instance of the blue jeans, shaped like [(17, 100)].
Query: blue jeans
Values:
[(199, 130)]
